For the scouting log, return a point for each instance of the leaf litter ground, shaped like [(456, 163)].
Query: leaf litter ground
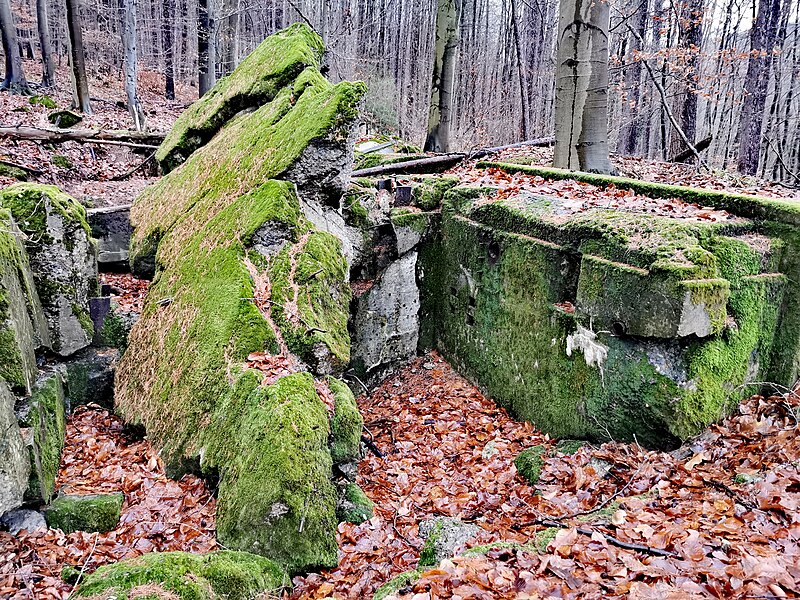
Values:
[(727, 504)]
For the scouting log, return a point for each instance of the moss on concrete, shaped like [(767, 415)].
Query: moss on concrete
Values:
[(278, 473), (45, 421), (606, 367), (346, 424), (756, 207), (26, 201), (221, 575), (529, 463), (84, 513), (7, 170), (274, 64)]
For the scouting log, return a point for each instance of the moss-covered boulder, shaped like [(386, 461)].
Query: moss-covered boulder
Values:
[(258, 79), (229, 367), (43, 422), (62, 257), (221, 575), (96, 512), (64, 118), (14, 458), (23, 328)]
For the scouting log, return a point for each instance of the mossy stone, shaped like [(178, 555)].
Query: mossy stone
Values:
[(64, 118), (529, 463), (62, 161), (346, 425), (221, 575), (273, 65), (99, 512), (394, 585), (354, 505)]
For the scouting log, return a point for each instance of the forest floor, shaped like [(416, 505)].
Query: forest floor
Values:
[(719, 517)]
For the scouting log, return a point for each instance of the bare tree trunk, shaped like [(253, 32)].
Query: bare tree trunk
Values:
[(444, 63), (77, 57), (762, 41), (14, 79), (206, 48), (633, 85), (523, 83), (168, 48), (581, 111), (690, 32), (129, 41), (45, 43)]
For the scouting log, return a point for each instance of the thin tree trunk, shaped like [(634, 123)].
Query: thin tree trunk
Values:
[(581, 112), (205, 62), (445, 58), (633, 85), (762, 41), (690, 31), (129, 41), (168, 49), (523, 84), (77, 57), (45, 43), (14, 79)]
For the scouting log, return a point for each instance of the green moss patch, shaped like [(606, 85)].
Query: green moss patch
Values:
[(354, 505), (394, 585), (221, 575), (529, 463), (84, 513), (45, 421), (273, 65), (346, 425), (755, 207)]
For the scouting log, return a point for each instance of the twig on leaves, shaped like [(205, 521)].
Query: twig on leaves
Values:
[(605, 502), (83, 567), (608, 537), (372, 447), (718, 485)]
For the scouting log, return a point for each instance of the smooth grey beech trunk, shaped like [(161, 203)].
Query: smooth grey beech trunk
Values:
[(581, 109), (444, 70), (46, 44), (80, 84), (14, 79), (129, 42)]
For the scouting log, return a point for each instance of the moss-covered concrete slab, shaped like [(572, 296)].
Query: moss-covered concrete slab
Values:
[(601, 322), (42, 419), (97, 512), (354, 505), (14, 458), (244, 279), (272, 66), (23, 328), (221, 575), (62, 257)]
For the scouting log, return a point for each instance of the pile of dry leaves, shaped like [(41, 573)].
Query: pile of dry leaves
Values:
[(719, 517), (158, 514)]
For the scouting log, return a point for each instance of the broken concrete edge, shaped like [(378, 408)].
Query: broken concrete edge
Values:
[(92, 513), (219, 574), (15, 463), (111, 227), (752, 207)]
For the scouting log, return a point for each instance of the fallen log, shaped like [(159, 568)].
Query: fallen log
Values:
[(440, 162), (83, 136), (681, 157), (431, 164)]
